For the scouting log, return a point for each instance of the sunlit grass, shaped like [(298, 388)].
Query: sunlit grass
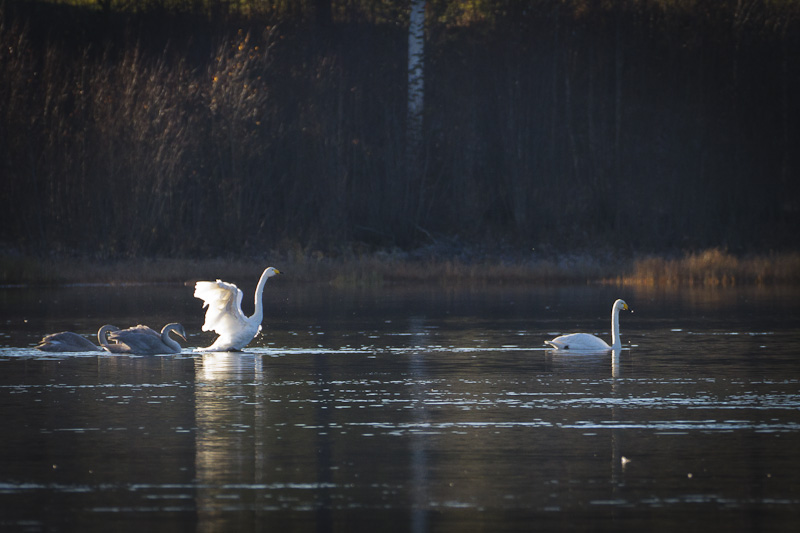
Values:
[(713, 268)]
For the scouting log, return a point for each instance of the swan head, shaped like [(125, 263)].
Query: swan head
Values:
[(178, 329), (620, 305), (271, 271), (106, 329)]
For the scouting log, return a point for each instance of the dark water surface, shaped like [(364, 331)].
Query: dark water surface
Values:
[(406, 410)]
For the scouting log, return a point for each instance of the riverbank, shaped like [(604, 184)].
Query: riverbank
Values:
[(709, 268)]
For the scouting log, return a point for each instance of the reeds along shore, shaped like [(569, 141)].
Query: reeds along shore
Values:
[(712, 268), (641, 125)]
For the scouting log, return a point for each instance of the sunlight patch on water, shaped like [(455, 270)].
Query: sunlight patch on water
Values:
[(684, 426), (729, 333), (435, 428)]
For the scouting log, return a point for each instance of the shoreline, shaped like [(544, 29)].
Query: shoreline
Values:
[(709, 268)]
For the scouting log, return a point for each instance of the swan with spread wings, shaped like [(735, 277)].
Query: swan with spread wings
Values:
[(224, 313)]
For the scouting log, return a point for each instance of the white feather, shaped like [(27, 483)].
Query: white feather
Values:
[(224, 316)]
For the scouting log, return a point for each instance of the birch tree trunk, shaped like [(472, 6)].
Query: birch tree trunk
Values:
[(413, 193), (416, 84)]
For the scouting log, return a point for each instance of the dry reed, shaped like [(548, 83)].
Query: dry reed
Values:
[(714, 268), (710, 268)]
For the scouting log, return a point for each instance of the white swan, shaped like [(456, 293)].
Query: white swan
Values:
[(67, 341), (224, 315), (145, 341), (584, 342)]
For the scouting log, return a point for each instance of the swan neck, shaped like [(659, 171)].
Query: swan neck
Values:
[(259, 297), (616, 340), (102, 334), (169, 341)]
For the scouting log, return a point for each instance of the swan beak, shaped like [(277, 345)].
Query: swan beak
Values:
[(625, 307), (277, 271)]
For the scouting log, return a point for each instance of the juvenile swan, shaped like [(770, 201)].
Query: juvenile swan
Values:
[(145, 341), (584, 342), (67, 341), (224, 315)]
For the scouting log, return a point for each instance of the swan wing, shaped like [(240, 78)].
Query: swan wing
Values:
[(578, 342), (224, 306), (117, 348), (66, 341)]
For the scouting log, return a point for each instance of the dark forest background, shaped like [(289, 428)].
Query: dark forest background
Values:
[(188, 129)]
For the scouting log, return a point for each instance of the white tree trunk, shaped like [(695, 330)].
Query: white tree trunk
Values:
[(416, 80)]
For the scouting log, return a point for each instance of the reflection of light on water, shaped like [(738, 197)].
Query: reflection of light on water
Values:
[(220, 365), (231, 415), (682, 427), (730, 333), (7, 352), (660, 427), (280, 486)]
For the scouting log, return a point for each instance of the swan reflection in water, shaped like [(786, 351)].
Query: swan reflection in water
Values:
[(218, 366)]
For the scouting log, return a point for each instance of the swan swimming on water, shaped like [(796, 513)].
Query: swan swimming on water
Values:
[(67, 341), (584, 342), (143, 340), (224, 314)]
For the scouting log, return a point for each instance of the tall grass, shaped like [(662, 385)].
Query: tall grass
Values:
[(714, 268), (123, 153)]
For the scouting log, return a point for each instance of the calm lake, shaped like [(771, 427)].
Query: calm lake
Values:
[(406, 409)]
